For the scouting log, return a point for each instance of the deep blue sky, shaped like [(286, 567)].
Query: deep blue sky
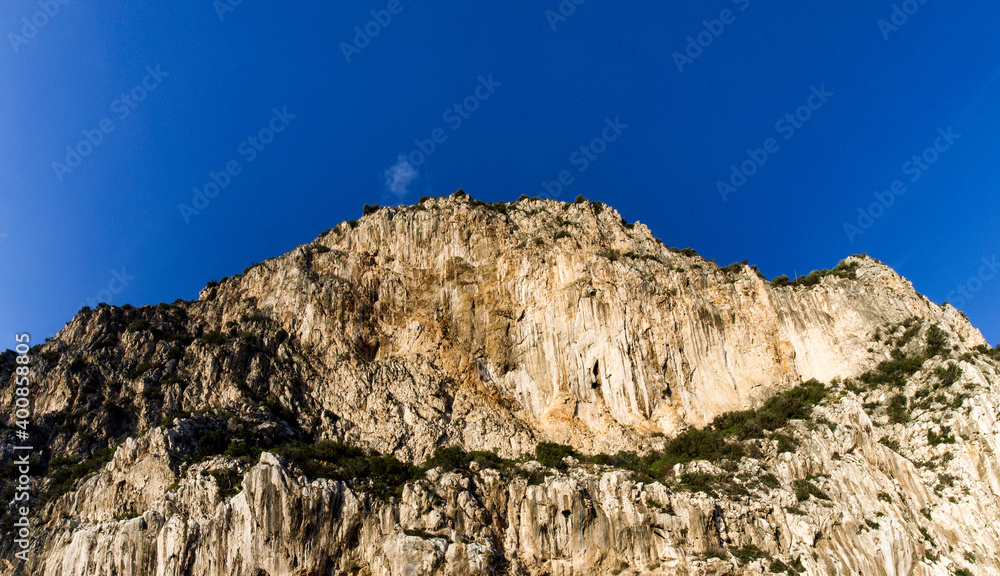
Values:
[(116, 214)]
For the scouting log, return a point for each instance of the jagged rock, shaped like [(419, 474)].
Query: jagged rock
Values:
[(457, 323)]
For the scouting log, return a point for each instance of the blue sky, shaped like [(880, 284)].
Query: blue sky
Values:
[(815, 106)]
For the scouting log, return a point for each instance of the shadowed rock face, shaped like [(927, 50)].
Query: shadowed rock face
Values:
[(494, 328)]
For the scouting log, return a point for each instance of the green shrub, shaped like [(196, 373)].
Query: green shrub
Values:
[(419, 534), (747, 553), (138, 324), (695, 444), (612, 255), (898, 409), (382, 476), (993, 353), (447, 459), (893, 372), (210, 444), (777, 411), (842, 270), (551, 455), (937, 341), (63, 473), (498, 207), (625, 460), (168, 420), (227, 481), (214, 338), (909, 334), (370, 209), (945, 437), (485, 459), (890, 443), (562, 234), (770, 480), (945, 480), (699, 482), (719, 442), (786, 443), (454, 458), (948, 376), (242, 449), (734, 268), (805, 488), (777, 567), (139, 370)]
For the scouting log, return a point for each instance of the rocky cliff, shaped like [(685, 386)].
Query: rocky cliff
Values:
[(521, 388)]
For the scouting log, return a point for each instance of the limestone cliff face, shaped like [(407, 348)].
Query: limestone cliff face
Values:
[(494, 328)]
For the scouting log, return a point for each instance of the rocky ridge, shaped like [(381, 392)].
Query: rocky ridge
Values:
[(182, 437)]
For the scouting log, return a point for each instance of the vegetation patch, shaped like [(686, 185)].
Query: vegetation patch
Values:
[(227, 481), (138, 324), (898, 409), (382, 476), (842, 270), (890, 443), (805, 488), (777, 411), (725, 440), (747, 554), (893, 372), (551, 455), (64, 472), (944, 437), (214, 338)]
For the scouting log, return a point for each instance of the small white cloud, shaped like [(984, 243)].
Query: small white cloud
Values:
[(399, 177)]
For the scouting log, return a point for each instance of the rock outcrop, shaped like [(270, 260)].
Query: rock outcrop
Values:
[(493, 328)]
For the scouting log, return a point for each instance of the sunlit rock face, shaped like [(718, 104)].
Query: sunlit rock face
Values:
[(494, 328)]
